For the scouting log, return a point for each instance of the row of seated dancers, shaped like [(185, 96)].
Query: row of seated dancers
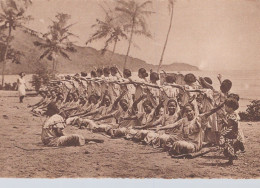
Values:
[(180, 113)]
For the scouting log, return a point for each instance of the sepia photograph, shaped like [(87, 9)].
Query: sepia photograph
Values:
[(160, 89)]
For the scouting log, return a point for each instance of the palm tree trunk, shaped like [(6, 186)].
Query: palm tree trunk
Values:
[(5, 55), (166, 41), (130, 42), (53, 65), (114, 48)]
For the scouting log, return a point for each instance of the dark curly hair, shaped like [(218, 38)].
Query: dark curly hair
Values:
[(170, 79), (234, 96), (52, 109), (106, 70), (127, 73), (113, 69), (100, 71), (232, 103), (189, 78), (143, 72), (226, 86), (154, 76), (172, 100), (93, 74)]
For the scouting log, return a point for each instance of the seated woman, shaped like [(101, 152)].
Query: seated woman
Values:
[(59, 100), (81, 107), (109, 114), (115, 122), (52, 130), (67, 102), (192, 127), (142, 118), (207, 103), (92, 105), (170, 116), (104, 108), (135, 119), (75, 104)]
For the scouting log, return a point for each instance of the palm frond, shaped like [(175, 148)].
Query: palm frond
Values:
[(63, 54), (143, 33), (39, 44), (2, 27), (124, 10), (71, 49), (45, 53), (11, 4), (143, 5), (109, 40), (66, 37), (123, 3), (146, 12), (97, 36), (64, 30)]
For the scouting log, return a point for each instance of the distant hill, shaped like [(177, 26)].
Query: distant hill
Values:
[(82, 60)]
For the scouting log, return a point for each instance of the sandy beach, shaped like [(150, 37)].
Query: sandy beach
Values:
[(23, 155)]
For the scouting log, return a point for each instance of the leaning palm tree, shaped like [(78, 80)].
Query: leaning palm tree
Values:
[(11, 17), (170, 6), (133, 16), (57, 40), (109, 29)]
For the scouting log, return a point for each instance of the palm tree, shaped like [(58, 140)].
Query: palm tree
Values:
[(57, 40), (12, 16), (133, 16), (110, 29), (170, 6)]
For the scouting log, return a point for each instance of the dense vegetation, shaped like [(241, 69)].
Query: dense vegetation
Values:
[(252, 112)]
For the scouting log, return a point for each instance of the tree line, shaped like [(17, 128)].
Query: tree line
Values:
[(123, 21)]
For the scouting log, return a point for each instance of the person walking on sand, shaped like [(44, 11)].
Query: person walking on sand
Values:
[(21, 84)]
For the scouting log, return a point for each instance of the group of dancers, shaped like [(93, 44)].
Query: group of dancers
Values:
[(180, 113)]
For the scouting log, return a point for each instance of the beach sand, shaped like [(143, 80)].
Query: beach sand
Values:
[(22, 154)]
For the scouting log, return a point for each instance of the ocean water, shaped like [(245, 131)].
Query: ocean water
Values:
[(244, 83)]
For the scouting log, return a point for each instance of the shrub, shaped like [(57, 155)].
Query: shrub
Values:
[(252, 112), (42, 77)]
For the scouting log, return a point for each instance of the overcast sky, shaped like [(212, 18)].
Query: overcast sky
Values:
[(210, 34)]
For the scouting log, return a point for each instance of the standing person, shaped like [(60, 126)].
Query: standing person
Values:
[(231, 138), (21, 84)]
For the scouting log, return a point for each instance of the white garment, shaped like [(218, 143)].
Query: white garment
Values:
[(21, 86)]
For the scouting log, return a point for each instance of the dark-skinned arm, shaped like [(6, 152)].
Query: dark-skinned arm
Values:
[(105, 117), (134, 107), (115, 105), (212, 111)]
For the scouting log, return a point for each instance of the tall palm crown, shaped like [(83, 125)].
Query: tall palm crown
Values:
[(13, 13), (57, 40), (133, 17), (109, 29)]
